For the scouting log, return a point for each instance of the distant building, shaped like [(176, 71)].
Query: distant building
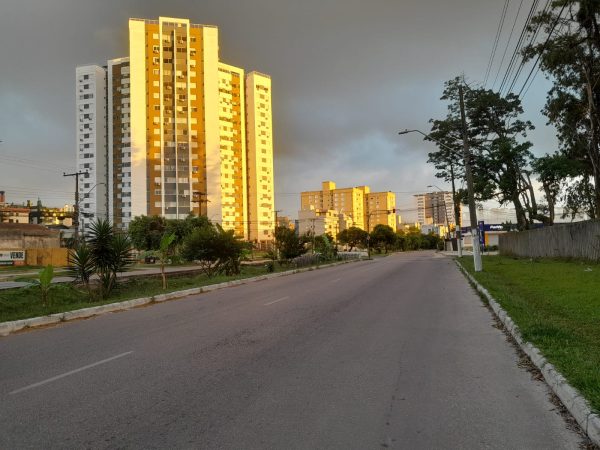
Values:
[(366, 209), (435, 208), (318, 222), (10, 213)]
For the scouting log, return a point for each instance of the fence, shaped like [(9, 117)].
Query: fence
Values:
[(574, 240), (58, 257)]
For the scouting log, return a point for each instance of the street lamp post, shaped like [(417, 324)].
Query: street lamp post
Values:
[(456, 209)]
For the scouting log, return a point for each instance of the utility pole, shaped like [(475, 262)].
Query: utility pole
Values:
[(457, 218), (275, 233), (76, 212), (469, 176)]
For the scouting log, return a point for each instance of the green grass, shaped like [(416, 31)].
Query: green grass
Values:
[(556, 305), (22, 303)]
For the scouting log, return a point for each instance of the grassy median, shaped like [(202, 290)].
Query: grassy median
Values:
[(22, 303), (556, 305)]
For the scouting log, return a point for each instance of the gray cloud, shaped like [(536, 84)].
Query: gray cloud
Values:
[(347, 74)]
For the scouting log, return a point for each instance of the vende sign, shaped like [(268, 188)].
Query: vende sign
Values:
[(12, 257)]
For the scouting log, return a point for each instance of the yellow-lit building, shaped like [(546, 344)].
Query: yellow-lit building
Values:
[(366, 209), (259, 132), (232, 124), (188, 134), (380, 209)]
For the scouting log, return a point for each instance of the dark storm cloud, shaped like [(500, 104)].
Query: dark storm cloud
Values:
[(347, 75)]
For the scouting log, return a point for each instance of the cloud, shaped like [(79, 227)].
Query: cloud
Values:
[(347, 75)]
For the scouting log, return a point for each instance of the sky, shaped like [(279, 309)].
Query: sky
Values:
[(347, 76)]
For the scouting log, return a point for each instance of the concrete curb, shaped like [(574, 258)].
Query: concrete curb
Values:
[(575, 403), (7, 328)]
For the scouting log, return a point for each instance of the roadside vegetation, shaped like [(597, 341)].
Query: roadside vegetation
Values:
[(556, 305), (104, 252), (22, 303)]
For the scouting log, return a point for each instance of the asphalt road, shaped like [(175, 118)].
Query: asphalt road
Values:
[(393, 353)]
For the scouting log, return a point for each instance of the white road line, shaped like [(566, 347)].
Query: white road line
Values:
[(66, 374), (336, 280), (277, 301)]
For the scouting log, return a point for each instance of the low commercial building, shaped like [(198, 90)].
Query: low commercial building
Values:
[(34, 245)]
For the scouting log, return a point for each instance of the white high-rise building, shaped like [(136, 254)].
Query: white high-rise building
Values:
[(91, 143)]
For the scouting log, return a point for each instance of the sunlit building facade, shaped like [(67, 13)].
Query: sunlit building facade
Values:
[(366, 209), (260, 177), (184, 131)]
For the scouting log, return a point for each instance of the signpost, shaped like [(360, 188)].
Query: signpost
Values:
[(12, 258)]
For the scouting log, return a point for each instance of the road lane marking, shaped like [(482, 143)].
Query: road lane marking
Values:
[(71, 372), (277, 301), (336, 280)]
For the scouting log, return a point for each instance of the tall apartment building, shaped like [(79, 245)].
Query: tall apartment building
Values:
[(434, 208), (185, 129), (91, 129), (119, 142), (259, 132), (367, 209)]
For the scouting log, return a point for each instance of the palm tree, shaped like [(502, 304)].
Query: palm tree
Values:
[(111, 253)]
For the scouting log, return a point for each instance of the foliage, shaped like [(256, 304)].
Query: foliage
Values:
[(164, 252), (324, 246), (81, 264), (571, 57), (216, 250), (110, 252), (501, 159), (45, 282), (413, 239), (147, 231), (288, 244), (383, 237), (353, 237)]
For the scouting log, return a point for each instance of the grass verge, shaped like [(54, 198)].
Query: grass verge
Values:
[(23, 303), (556, 305)]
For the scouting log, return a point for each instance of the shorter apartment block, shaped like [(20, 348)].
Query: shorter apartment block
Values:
[(364, 208)]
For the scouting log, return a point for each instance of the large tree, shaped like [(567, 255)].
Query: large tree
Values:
[(501, 158), (570, 56)]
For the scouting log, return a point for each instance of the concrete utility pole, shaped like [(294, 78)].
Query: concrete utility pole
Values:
[(469, 175), (275, 232), (76, 212)]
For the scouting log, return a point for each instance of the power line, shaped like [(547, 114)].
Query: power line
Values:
[(518, 46), (508, 42), (495, 46), (530, 43), (543, 48)]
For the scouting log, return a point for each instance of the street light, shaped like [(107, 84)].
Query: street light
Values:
[(445, 207), (456, 209)]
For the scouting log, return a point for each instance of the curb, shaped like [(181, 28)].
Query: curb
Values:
[(7, 328), (575, 403)]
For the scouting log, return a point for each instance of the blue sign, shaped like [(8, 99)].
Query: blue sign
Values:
[(481, 226)]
